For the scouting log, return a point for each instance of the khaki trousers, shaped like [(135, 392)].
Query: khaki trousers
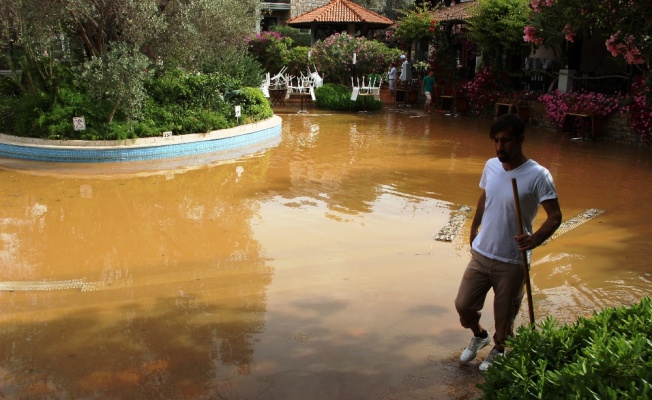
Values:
[(507, 281)]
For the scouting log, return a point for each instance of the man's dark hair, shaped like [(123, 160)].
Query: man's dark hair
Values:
[(510, 123)]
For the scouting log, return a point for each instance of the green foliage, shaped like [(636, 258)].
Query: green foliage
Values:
[(497, 26), (271, 50), (334, 56), (443, 55), (414, 26), (199, 30), (238, 65), (338, 98), (175, 100), (623, 25), (95, 59), (298, 39), (298, 61), (189, 90), (608, 356), (254, 104), (116, 77)]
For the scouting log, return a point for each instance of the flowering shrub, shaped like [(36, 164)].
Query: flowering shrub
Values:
[(270, 49), (557, 103), (484, 90), (387, 36), (622, 24), (530, 35), (415, 26), (638, 107), (420, 66), (334, 57), (618, 45)]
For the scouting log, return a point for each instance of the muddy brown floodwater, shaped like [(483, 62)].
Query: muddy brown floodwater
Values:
[(307, 270)]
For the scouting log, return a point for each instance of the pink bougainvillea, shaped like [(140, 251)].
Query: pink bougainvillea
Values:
[(484, 90), (569, 33), (557, 104), (617, 45), (638, 107), (538, 5), (531, 35)]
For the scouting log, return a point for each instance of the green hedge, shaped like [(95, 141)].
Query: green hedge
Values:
[(338, 98), (176, 100), (608, 356)]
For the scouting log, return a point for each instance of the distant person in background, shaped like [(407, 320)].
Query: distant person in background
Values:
[(392, 79), (428, 88), (406, 75)]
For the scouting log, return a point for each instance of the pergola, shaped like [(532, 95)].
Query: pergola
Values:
[(457, 15), (456, 12), (339, 16)]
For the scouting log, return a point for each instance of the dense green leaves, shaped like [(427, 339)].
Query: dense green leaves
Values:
[(334, 57), (623, 26), (98, 59), (338, 98), (497, 26), (608, 356)]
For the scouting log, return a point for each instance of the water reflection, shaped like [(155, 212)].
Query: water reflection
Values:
[(305, 270)]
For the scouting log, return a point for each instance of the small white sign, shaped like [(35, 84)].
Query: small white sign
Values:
[(78, 123), (238, 111), (167, 134)]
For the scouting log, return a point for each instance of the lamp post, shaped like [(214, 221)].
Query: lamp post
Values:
[(353, 69)]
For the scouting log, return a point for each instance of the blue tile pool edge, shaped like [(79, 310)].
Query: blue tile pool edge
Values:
[(77, 151)]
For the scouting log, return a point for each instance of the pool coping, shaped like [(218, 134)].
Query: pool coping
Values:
[(152, 148)]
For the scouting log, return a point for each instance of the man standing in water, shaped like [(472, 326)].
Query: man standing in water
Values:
[(392, 79), (496, 247), (428, 89)]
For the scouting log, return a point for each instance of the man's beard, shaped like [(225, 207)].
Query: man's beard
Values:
[(504, 157)]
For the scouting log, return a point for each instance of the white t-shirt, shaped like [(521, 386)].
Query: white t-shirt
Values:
[(499, 224), (392, 73)]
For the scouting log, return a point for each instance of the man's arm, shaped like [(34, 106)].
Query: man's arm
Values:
[(549, 226), (477, 218)]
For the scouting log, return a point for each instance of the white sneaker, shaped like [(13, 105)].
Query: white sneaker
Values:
[(472, 351), (484, 366)]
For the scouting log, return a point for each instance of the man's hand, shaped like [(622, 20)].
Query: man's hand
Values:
[(526, 242)]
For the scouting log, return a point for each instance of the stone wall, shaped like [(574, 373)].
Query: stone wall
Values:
[(298, 7), (616, 127)]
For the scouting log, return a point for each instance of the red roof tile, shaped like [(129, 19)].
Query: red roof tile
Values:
[(456, 12), (340, 11)]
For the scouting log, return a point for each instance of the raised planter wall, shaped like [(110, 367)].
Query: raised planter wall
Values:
[(153, 148), (616, 126)]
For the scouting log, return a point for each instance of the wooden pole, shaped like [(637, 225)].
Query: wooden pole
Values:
[(526, 264)]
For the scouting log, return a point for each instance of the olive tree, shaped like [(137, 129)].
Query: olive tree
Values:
[(51, 40)]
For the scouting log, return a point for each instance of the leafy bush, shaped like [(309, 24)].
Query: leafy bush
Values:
[(299, 39), (254, 105), (238, 65), (334, 56), (557, 103), (116, 77), (271, 50), (486, 87), (608, 356), (174, 100), (338, 98), (638, 107), (298, 61)]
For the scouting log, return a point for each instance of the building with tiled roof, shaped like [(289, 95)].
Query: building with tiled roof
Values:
[(339, 16), (456, 12)]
